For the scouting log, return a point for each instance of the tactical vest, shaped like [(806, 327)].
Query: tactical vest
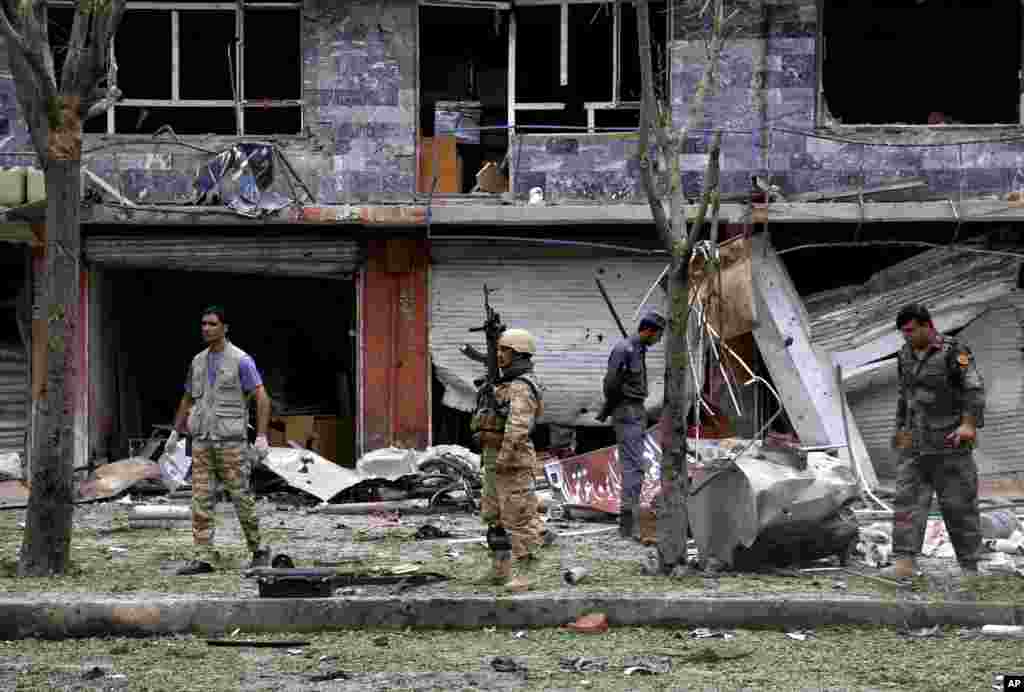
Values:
[(491, 415), (934, 387), (218, 412)]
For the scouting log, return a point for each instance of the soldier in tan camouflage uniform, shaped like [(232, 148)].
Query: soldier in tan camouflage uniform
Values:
[(508, 504), (220, 380), (941, 405)]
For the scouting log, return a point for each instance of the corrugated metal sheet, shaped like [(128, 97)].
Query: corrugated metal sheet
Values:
[(285, 255), (13, 398), (551, 292), (956, 287), (872, 396), (996, 338)]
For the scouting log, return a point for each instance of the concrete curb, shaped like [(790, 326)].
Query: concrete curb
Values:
[(23, 618)]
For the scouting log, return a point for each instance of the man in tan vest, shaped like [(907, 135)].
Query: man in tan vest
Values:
[(220, 380)]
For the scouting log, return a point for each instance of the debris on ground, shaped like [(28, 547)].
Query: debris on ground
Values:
[(800, 635), (707, 633), (575, 575), (594, 623), (428, 532), (507, 664), (924, 633), (647, 665), (582, 664), (1003, 631)]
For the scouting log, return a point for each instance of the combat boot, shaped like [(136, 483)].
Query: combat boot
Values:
[(902, 569)]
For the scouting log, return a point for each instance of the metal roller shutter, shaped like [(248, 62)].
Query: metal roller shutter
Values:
[(311, 256), (550, 291)]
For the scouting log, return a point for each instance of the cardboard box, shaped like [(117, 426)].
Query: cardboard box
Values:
[(328, 436)]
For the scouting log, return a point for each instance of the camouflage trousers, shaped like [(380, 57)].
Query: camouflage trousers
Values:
[(954, 478), (225, 463), (508, 500)]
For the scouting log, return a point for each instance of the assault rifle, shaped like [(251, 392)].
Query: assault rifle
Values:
[(492, 329)]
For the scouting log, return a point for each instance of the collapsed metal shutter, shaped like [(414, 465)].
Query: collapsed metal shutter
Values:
[(13, 398), (872, 398), (550, 291), (996, 339), (275, 255)]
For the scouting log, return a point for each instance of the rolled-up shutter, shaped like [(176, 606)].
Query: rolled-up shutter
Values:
[(13, 398), (277, 255)]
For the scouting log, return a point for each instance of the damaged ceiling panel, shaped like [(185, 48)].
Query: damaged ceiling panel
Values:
[(550, 291), (857, 323)]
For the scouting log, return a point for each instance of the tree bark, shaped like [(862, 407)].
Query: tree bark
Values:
[(46, 546), (672, 515)]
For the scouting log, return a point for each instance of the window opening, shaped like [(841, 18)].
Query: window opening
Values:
[(921, 61), (597, 43), (463, 87), (201, 67)]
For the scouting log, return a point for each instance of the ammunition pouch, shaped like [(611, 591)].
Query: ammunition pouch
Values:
[(498, 539), (488, 423)]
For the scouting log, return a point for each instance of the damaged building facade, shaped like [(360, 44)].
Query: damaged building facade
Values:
[(345, 178)]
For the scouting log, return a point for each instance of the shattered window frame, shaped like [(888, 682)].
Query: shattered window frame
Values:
[(239, 103), (615, 103)]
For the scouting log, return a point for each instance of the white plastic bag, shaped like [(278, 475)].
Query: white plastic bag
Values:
[(174, 466)]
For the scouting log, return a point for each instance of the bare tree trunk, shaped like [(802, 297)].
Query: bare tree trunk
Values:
[(46, 547), (673, 519), (54, 110)]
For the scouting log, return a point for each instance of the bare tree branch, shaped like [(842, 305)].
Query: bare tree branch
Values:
[(711, 178), (37, 55), (648, 119), (92, 38), (31, 101)]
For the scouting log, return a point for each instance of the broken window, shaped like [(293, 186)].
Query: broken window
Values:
[(201, 67), (921, 61), (463, 95), (577, 64)]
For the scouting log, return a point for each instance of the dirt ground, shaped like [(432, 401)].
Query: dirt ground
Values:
[(111, 557), (620, 659)]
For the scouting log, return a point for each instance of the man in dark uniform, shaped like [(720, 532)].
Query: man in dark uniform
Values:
[(625, 390), (941, 406)]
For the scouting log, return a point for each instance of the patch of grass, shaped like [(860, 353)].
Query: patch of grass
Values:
[(837, 657)]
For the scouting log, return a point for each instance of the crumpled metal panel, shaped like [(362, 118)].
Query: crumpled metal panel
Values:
[(549, 291), (310, 472), (731, 507), (273, 255)]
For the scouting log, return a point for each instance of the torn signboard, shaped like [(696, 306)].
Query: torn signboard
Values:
[(241, 178), (593, 481)]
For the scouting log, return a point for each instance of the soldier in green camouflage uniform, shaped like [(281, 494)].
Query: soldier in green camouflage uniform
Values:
[(508, 505), (941, 405)]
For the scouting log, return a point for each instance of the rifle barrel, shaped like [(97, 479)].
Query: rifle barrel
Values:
[(608, 302)]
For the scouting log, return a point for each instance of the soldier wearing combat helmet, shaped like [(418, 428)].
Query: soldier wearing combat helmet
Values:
[(508, 503), (941, 406)]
